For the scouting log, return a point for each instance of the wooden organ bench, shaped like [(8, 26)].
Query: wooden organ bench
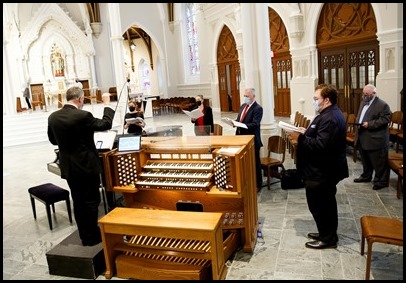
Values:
[(163, 245)]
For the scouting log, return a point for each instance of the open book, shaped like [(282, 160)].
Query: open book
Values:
[(233, 123), (194, 114), (288, 127), (139, 121)]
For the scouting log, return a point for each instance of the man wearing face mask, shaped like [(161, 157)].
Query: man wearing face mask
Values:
[(372, 138), (322, 163), (251, 115), (72, 130), (204, 124), (135, 111)]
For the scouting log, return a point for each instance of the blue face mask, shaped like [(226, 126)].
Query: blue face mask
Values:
[(247, 100)]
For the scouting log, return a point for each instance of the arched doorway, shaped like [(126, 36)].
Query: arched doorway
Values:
[(348, 50), (229, 72), (281, 64)]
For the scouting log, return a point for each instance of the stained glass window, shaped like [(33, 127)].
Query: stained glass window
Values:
[(145, 75), (192, 41)]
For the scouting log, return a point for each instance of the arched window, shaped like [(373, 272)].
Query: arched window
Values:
[(192, 40)]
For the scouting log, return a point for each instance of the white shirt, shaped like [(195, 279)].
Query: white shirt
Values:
[(364, 110)]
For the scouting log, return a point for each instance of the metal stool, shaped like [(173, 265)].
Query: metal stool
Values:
[(49, 194)]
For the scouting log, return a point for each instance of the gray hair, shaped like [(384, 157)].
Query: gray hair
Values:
[(74, 92), (252, 90), (371, 87)]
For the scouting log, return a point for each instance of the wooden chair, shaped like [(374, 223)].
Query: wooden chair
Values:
[(345, 114), (382, 230), (156, 108), (399, 186), (399, 141), (395, 161), (293, 137), (113, 93), (396, 125), (276, 145), (217, 130), (350, 138), (37, 100)]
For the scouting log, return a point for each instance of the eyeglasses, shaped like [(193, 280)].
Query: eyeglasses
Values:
[(368, 93), (317, 98)]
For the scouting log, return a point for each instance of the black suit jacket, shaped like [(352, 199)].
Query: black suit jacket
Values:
[(253, 121), (72, 130), (378, 117)]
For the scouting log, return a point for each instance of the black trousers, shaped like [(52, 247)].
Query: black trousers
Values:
[(375, 160), (322, 203), (85, 190), (28, 102)]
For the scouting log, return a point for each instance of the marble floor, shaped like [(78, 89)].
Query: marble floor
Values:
[(280, 254)]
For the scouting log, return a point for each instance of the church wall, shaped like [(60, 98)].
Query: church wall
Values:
[(25, 54)]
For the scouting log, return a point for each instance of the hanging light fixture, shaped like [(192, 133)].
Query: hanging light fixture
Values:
[(132, 46)]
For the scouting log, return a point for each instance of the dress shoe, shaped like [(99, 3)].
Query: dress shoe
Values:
[(362, 180), (377, 187), (320, 245), (259, 189), (91, 243), (314, 236)]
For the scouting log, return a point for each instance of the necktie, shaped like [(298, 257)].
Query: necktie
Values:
[(244, 112)]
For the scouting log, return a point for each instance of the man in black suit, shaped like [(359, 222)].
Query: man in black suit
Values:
[(250, 114), (372, 138), (72, 130)]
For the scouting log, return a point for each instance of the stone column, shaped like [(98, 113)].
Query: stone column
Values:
[(118, 61)]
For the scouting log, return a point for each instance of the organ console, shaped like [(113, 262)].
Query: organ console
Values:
[(209, 174), (202, 174)]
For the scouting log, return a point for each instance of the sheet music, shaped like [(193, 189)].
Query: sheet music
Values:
[(288, 127), (234, 123), (104, 140), (194, 114), (137, 120)]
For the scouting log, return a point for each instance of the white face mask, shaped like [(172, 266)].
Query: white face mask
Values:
[(316, 105), (247, 100)]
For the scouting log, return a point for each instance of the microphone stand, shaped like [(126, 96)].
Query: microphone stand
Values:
[(121, 92), (126, 104)]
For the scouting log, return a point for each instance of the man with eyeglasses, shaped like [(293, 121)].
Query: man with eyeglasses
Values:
[(322, 163), (372, 138)]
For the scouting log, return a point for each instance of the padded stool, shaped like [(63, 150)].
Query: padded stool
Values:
[(382, 230), (49, 194)]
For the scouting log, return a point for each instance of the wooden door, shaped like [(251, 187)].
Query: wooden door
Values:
[(225, 103), (281, 64), (348, 50), (229, 73), (349, 69), (229, 86), (282, 75)]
